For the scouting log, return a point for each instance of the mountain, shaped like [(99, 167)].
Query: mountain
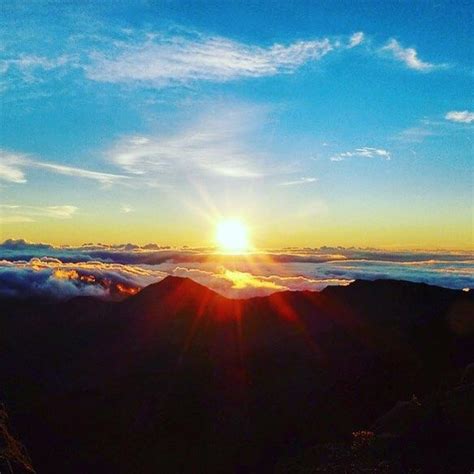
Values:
[(13, 456), (178, 378)]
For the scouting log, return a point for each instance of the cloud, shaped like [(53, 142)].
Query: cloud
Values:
[(20, 213), (444, 273), (416, 134), (299, 181), (243, 284), (59, 212), (12, 165), (461, 116), (29, 68), (356, 39), (126, 209), (110, 271), (365, 152), (429, 127), (126, 254), (154, 254), (51, 278), (15, 219), (213, 144), (409, 57), (103, 178), (26, 63), (163, 60), (16, 282), (166, 59), (22, 244)]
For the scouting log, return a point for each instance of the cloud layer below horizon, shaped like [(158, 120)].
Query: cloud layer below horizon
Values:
[(114, 271)]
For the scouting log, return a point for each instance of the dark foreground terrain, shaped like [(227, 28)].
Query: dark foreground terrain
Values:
[(178, 379)]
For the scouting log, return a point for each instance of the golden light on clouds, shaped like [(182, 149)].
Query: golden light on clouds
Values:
[(241, 280)]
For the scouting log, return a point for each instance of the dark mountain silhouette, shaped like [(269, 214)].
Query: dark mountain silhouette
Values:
[(180, 379), (13, 457)]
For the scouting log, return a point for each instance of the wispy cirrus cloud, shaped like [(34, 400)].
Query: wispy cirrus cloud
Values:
[(103, 178), (11, 167), (416, 134), (214, 144), (15, 219), (164, 60), (28, 69), (13, 164), (295, 182), (365, 152), (409, 57), (460, 116), (436, 127), (21, 213), (27, 64)]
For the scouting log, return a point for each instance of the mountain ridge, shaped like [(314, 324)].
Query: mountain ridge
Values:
[(231, 382)]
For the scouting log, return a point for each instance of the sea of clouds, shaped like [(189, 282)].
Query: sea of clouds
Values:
[(113, 271)]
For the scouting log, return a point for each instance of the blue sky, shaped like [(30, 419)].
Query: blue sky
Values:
[(340, 123)]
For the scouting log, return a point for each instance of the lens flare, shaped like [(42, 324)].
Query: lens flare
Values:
[(232, 236)]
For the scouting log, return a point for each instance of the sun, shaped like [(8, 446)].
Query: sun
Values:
[(232, 236)]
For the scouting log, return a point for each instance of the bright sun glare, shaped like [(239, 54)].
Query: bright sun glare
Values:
[(231, 236)]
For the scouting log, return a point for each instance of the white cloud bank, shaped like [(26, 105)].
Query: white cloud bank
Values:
[(29, 269)]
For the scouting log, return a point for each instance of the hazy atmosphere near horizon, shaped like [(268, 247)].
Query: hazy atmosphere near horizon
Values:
[(236, 237)]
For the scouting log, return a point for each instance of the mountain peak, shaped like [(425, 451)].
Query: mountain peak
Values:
[(172, 281), (174, 285)]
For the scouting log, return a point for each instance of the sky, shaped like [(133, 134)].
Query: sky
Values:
[(340, 124)]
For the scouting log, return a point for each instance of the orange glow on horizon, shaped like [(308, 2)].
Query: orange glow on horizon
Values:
[(127, 290)]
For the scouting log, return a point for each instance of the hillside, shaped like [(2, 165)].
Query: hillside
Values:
[(180, 379)]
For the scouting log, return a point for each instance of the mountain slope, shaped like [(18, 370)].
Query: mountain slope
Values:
[(180, 379)]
